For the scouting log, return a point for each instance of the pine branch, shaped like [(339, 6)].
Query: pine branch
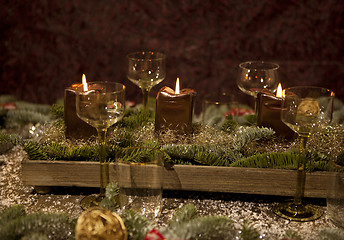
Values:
[(35, 152), (282, 160), (248, 134), (184, 214), (182, 151), (219, 155), (57, 111), (136, 119), (55, 226), (248, 232), (211, 155), (12, 213), (137, 225), (208, 227), (230, 125), (33, 107), (111, 200), (6, 98), (332, 234), (10, 138), (291, 234), (288, 160), (138, 155), (16, 118), (35, 236)]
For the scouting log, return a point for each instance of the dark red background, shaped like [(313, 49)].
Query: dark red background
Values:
[(47, 45)]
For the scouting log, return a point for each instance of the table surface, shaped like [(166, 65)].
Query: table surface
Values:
[(256, 209)]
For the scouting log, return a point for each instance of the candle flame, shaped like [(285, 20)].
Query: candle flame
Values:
[(177, 91), (84, 83), (280, 92)]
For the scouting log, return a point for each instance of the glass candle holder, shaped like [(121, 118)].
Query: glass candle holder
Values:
[(139, 173), (335, 198), (215, 108)]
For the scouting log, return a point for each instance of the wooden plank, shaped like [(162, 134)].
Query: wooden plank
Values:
[(181, 177)]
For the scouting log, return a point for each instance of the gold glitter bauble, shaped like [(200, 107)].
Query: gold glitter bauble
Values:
[(98, 223)]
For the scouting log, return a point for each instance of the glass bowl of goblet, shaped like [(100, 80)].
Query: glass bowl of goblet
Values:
[(146, 69), (256, 76), (101, 105)]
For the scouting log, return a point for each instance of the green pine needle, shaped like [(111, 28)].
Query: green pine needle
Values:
[(205, 228), (291, 234), (57, 110), (12, 213), (230, 125), (248, 134), (54, 226), (248, 232), (332, 234), (137, 225), (184, 214), (136, 119)]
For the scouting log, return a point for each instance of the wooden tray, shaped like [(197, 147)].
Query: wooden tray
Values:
[(181, 177)]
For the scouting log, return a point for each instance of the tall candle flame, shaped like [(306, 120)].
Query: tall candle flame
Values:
[(84, 83), (177, 91), (280, 91)]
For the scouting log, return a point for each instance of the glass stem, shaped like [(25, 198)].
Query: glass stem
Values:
[(301, 174), (145, 93), (256, 104), (104, 165)]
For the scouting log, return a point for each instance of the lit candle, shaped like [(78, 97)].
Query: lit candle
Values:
[(269, 109), (75, 127), (174, 109)]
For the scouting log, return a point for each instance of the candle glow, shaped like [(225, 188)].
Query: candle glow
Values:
[(177, 91), (280, 92), (84, 82)]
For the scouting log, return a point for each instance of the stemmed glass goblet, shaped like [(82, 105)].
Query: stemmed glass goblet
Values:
[(146, 69), (255, 76), (303, 110), (100, 104)]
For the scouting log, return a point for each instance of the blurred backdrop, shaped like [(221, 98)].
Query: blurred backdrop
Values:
[(47, 45)]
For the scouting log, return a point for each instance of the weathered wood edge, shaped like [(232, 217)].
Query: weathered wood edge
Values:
[(181, 177)]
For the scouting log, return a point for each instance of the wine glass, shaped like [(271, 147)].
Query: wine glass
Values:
[(101, 105), (304, 109), (255, 76), (146, 69)]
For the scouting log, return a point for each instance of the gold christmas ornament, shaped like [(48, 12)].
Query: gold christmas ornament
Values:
[(98, 223)]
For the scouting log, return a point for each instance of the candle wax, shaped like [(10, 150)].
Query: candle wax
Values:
[(174, 111), (75, 127), (269, 109)]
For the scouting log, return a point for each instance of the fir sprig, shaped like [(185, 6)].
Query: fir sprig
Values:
[(17, 118), (18, 224), (245, 135), (184, 214), (248, 232), (207, 227), (283, 160), (291, 234), (12, 213), (230, 125), (136, 119), (332, 234), (137, 225), (10, 138), (217, 155)]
